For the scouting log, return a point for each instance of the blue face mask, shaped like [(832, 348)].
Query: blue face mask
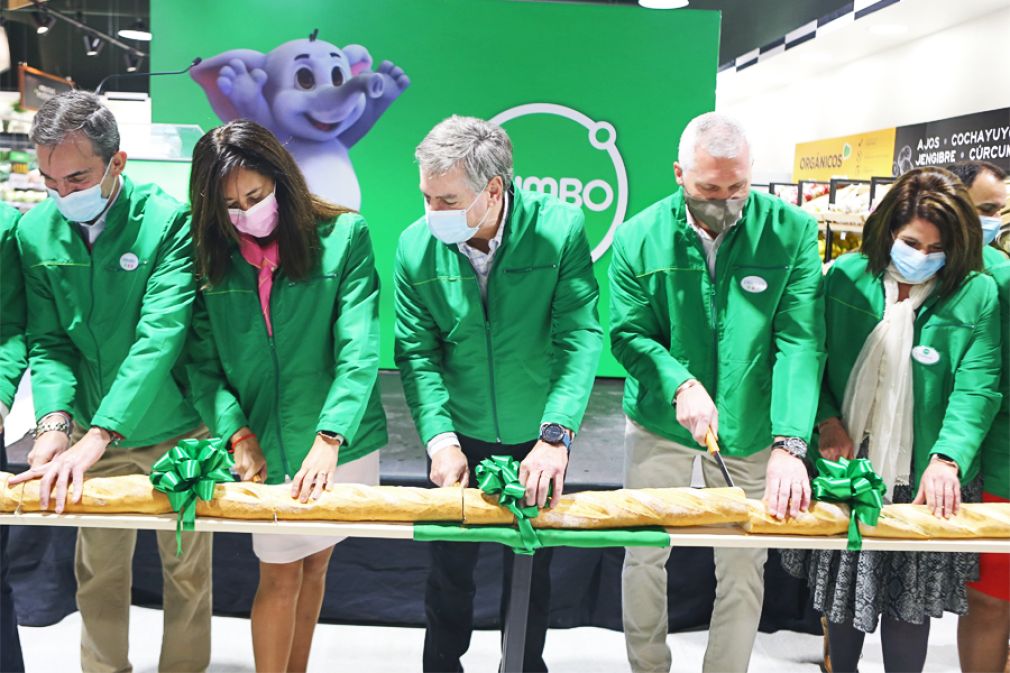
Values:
[(84, 205), (450, 226), (914, 266), (990, 228)]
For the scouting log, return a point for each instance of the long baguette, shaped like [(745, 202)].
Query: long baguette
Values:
[(131, 494), (343, 502), (982, 520), (621, 508)]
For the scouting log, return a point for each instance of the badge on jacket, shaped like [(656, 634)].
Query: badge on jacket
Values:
[(926, 355), (754, 284), (129, 261)]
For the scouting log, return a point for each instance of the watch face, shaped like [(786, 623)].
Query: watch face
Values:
[(553, 433)]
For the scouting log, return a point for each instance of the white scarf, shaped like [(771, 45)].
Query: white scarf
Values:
[(879, 396)]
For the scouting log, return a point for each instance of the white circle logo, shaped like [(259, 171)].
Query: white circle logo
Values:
[(926, 355), (595, 195), (754, 284), (129, 261)]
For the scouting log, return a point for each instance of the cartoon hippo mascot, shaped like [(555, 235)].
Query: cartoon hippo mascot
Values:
[(317, 98)]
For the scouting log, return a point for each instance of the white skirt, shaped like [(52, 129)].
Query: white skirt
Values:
[(274, 548)]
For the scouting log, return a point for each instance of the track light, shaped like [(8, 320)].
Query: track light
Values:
[(132, 61), (138, 31), (93, 45), (43, 21)]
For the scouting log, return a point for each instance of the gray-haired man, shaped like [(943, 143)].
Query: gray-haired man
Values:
[(497, 341), (109, 286), (717, 314)]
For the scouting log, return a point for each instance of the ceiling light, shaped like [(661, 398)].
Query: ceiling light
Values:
[(888, 29), (663, 4), (132, 61), (138, 31), (43, 21), (93, 45)]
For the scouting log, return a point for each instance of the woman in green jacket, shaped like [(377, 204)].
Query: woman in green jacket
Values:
[(284, 356), (913, 342)]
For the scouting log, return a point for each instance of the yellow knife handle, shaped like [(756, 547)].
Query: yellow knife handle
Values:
[(711, 442)]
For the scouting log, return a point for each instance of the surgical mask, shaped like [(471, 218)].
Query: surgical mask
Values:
[(260, 220), (450, 226), (914, 266), (84, 205), (717, 215), (990, 228)]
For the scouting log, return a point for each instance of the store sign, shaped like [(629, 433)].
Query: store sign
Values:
[(37, 87), (983, 136), (860, 156), (583, 166)]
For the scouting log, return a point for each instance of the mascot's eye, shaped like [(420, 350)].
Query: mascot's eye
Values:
[(305, 78), (338, 76)]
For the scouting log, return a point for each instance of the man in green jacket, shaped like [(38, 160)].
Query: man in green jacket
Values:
[(717, 315), (497, 341), (109, 287), (13, 362), (982, 634)]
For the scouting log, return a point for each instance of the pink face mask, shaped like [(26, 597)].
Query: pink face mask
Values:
[(260, 220)]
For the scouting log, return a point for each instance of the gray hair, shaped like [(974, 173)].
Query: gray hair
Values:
[(74, 111), (482, 149), (716, 134)]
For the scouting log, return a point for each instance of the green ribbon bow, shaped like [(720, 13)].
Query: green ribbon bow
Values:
[(190, 471), (855, 483), (500, 475)]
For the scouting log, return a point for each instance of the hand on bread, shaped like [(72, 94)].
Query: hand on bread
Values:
[(318, 469), (250, 465), (47, 446), (787, 485), (449, 467), (940, 489), (544, 465), (835, 442), (66, 470)]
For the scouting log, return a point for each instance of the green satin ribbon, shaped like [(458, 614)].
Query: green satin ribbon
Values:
[(854, 483), (499, 475), (190, 471)]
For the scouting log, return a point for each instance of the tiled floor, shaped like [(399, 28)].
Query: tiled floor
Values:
[(364, 649)]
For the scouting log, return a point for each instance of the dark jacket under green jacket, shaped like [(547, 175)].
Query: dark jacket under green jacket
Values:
[(753, 336), (106, 326), (13, 352), (956, 394), (319, 370), (496, 373)]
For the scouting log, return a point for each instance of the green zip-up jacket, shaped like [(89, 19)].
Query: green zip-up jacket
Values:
[(955, 361), (753, 336), (996, 447), (13, 352), (106, 327), (319, 370), (496, 373)]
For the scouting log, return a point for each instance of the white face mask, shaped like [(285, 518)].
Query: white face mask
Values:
[(990, 228), (450, 226), (84, 205)]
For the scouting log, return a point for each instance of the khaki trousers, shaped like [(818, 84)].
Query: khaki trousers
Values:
[(653, 462), (104, 564)]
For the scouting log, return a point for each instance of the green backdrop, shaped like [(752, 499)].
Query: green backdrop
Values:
[(644, 73)]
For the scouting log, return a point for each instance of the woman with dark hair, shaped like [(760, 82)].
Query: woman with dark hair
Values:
[(283, 357), (911, 383)]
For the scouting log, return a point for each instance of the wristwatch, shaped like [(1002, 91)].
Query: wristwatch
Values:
[(552, 433), (53, 426), (794, 445)]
